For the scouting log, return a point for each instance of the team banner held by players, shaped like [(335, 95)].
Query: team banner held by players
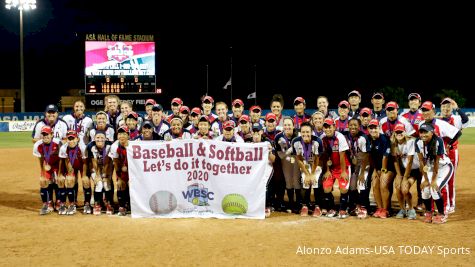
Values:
[(198, 178)]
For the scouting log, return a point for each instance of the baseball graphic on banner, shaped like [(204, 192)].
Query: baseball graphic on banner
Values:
[(162, 202), (234, 204)]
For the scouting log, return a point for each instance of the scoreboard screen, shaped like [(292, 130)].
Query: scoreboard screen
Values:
[(120, 67)]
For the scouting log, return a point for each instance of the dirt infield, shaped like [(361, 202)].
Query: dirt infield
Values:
[(28, 239)]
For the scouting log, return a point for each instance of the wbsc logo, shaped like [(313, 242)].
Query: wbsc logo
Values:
[(198, 195)]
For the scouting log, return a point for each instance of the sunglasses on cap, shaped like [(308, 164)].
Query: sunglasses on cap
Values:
[(44, 134), (147, 126), (326, 125), (399, 132), (271, 120), (365, 115), (390, 109), (71, 138), (184, 112), (237, 105), (243, 122), (175, 104)]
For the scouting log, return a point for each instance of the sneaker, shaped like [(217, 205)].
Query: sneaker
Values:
[(71, 209), (420, 207), (343, 214), (62, 209), (331, 213), (97, 209), (354, 212), (377, 213), (122, 212), (362, 213), (87, 208), (268, 211), (58, 205), (439, 219), (428, 217), (317, 212), (383, 214), (304, 211), (110, 209), (50, 206), (288, 210), (401, 214), (44, 209), (411, 214), (324, 212), (451, 210)]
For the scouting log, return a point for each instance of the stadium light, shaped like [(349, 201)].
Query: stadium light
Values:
[(21, 5)]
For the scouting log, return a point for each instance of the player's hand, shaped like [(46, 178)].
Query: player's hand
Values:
[(327, 175), (434, 186), (361, 178), (454, 104), (424, 184), (344, 175)]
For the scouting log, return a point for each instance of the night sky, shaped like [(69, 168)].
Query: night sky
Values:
[(295, 50)]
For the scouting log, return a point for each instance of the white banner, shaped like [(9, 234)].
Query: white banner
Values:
[(198, 178), (21, 126)]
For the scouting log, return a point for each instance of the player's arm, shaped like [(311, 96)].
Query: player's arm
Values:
[(316, 161), (301, 164), (407, 173), (342, 154), (397, 166), (117, 166), (425, 181), (435, 173)]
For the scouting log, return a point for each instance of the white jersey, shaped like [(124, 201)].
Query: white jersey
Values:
[(236, 138), (101, 154), (109, 133), (217, 127), (60, 128), (113, 154), (387, 127), (439, 149), (443, 128), (64, 148), (409, 149), (160, 128), (82, 126), (168, 136)]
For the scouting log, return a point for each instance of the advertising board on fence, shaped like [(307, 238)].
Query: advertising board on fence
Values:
[(21, 126), (198, 178)]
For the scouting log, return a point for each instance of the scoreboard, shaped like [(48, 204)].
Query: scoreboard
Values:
[(120, 65)]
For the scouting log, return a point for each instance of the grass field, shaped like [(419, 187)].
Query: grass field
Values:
[(23, 139)]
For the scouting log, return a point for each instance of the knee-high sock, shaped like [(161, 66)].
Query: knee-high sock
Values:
[(290, 195), (344, 201), (70, 193), (45, 196), (428, 204), (87, 194)]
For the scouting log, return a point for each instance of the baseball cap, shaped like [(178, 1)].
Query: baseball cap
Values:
[(51, 107), (228, 125), (184, 108), (46, 129), (374, 122), (238, 101), (177, 100), (209, 99), (254, 108), (344, 103), (378, 95), (71, 133), (354, 92), (244, 118), (399, 127), (446, 100), (366, 110), (204, 118), (426, 127), (392, 104), (150, 102), (157, 107), (196, 110), (299, 100), (123, 129), (256, 126), (427, 105), (133, 115), (414, 95), (147, 123), (176, 118), (270, 116), (329, 121)]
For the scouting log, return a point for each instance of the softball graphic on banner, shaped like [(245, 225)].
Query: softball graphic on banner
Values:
[(235, 204)]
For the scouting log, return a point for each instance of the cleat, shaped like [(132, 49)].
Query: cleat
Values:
[(331, 213), (304, 211), (420, 207), (354, 212), (268, 212), (362, 213), (383, 214), (343, 214), (428, 217), (62, 209), (324, 212), (377, 213), (317, 212), (71, 210), (411, 214), (87, 208), (451, 210), (122, 212), (439, 219), (288, 211), (401, 214), (110, 209), (44, 209), (58, 205), (50, 206), (97, 209)]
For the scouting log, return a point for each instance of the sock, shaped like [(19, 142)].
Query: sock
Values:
[(70, 193), (364, 198), (440, 206), (344, 201), (87, 194), (76, 189), (50, 192), (298, 197), (353, 199), (317, 196), (110, 196), (428, 204), (98, 198), (44, 195), (306, 199), (290, 195), (327, 201), (121, 198)]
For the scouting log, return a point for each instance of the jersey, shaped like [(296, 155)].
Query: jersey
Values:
[(454, 120), (380, 148), (299, 119), (439, 150), (414, 119), (109, 133), (81, 125), (307, 151), (378, 114), (101, 155), (119, 152), (50, 153), (283, 144), (75, 156), (60, 128), (333, 146), (387, 126), (357, 144), (341, 125), (168, 135), (235, 139), (408, 149), (443, 129)]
